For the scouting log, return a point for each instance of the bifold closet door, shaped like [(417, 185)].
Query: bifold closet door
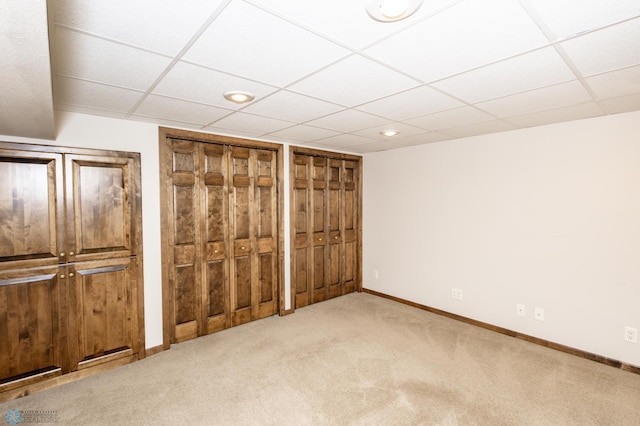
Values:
[(325, 227), (223, 236)]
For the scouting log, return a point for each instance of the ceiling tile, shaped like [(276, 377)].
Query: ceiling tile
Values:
[(354, 81), (348, 121), (479, 129), (273, 51), (373, 147), (536, 69), (164, 27), (178, 110), (452, 118), (616, 83), (422, 139), (345, 141), (606, 50), (623, 104), (559, 95), (251, 123), (566, 18), (84, 93), (403, 129), (575, 112), (346, 21), (233, 132), (292, 107), (199, 84), (412, 103), (468, 35), (304, 133), (90, 58)]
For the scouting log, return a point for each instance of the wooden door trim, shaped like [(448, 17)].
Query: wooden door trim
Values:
[(166, 135)]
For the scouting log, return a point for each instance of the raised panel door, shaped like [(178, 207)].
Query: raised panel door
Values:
[(101, 200), (103, 297), (301, 214), (32, 325), (31, 209)]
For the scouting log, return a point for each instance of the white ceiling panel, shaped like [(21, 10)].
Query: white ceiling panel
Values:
[(346, 21), (566, 18), (421, 139), (541, 68), (183, 111), (412, 103), (616, 83), (607, 49), (348, 121), (199, 84), (468, 35), (84, 93), (165, 122), (304, 133), (622, 104), (90, 58), (90, 111), (164, 27), (575, 112), (251, 123), (292, 107), (452, 118), (479, 129), (273, 51), (551, 97), (354, 81), (346, 141)]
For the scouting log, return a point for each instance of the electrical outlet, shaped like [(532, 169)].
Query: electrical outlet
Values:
[(521, 310), (631, 334), (538, 313), (456, 293), (376, 275)]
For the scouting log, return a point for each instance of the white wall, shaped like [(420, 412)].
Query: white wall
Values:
[(547, 217)]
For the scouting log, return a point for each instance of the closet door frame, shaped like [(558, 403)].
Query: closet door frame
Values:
[(329, 156), (166, 135)]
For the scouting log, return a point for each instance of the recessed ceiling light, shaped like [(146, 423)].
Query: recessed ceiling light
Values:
[(392, 10), (389, 133), (239, 97)]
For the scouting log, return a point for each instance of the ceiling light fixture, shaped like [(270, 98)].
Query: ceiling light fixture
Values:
[(389, 133), (392, 10), (239, 97)]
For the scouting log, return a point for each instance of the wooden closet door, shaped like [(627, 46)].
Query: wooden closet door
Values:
[(336, 223), (101, 194), (31, 209), (300, 200), (32, 326), (253, 234), (183, 264), (351, 251), (214, 200)]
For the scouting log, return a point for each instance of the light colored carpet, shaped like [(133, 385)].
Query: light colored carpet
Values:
[(357, 359)]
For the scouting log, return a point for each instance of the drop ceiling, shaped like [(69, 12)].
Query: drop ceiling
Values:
[(326, 75)]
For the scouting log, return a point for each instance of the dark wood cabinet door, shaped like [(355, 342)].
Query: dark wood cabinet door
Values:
[(100, 207), (102, 293), (31, 209), (301, 217), (32, 329)]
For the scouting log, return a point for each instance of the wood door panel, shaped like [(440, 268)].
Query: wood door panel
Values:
[(325, 224), (31, 333), (101, 190), (31, 208), (104, 301)]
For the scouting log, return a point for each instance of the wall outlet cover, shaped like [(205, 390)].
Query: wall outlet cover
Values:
[(538, 313), (521, 310), (631, 334)]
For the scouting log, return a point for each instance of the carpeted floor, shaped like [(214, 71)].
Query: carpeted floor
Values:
[(357, 359)]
